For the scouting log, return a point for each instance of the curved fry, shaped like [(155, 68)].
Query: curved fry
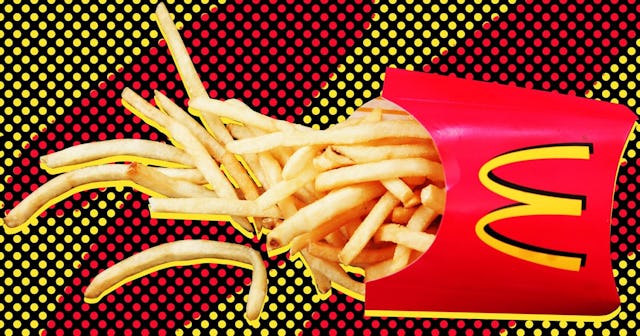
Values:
[(93, 151), (184, 252)]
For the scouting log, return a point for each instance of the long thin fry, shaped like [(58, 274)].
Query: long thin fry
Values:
[(322, 283), (382, 170), (273, 175), (210, 205), (170, 187), (145, 149), (181, 58), (321, 231), (336, 274), (216, 150), (366, 255), (401, 235), (368, 228), (321, 211), (187, 174), (236, 110), (283, 189), (348, 135), (363, 153), (180, 253), (282, 154), (401, 191), (419, 222), (193, 147), (378, 270), (60, 184), (299, 160)]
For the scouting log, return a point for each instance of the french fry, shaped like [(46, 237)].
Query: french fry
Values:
[(179, 253), (336, 238), (181, 58), (401, 214), (374, 171), (236, 110), (401, 235), (336, 274), (111, 150), (299, 160), (216, 150), (283, 189), (419, 222), (77, 180), (321, 211), (273, 174), (378, 270), (348, 135), (364, 154), (433, 197), (367, 228), (320, 232), (186, 174), (322, 283), (366, 255), (401, 191), (155, 180), (210, 205), (329, 159)]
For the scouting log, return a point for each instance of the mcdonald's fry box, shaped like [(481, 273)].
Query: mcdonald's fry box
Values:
[(530, 177)]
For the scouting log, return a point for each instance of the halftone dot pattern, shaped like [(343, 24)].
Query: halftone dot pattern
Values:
[(403, 34), (52, 53), (577, 48), (290, 53)]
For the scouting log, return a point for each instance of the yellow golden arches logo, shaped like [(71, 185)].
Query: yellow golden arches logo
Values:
[(532, 202)]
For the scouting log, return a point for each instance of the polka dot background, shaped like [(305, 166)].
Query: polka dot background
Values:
[(63, 65)]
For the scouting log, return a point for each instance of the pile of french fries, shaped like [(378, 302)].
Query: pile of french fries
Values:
[(362, 195)]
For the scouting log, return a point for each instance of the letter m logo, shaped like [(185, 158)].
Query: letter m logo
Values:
[(532, 202)]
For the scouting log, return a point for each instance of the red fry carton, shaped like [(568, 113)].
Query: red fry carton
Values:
[(529, 177)]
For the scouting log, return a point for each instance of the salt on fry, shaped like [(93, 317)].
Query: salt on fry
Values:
[(155, 180), (321, 211), (210, 205), (401, 191), (433, 197), (142, 149), (347, 135), (367, 228), (336, 274), (401, 235), (180, 253), (381, 170)]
